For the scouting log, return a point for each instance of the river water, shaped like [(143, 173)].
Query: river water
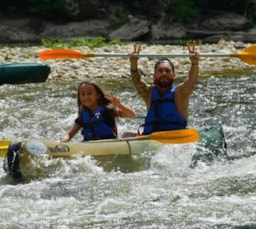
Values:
[(160, 191)]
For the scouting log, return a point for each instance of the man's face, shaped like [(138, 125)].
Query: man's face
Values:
[(164, 75)]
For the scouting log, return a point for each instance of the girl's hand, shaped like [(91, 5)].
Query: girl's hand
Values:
[(122, 110), (115, 100)]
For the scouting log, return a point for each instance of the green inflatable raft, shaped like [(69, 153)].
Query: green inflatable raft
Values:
[(17, 73)]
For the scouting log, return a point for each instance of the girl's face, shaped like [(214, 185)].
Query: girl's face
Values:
[(89, 97)]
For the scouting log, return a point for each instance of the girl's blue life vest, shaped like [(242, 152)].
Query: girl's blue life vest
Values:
[(162, 114), (95, 127)]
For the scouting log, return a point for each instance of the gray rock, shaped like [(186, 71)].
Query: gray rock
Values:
[(210, 28), (89, 28), (223, 21), (133, 30)]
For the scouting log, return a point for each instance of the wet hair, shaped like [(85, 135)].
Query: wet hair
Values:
[(164, 60), (101, 102)]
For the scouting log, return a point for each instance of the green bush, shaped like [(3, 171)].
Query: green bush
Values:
[(48, 9), (185, 10), (91, 43)]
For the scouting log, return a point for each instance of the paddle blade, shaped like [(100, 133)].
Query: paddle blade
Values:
[(4, 145), (247, 55), (63, 54), (173, 136)]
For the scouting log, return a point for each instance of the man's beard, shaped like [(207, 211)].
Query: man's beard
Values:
[(164, 84)]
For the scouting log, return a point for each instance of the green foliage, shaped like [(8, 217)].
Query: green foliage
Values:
[(183, 43), (237, 6), (47, 9), (91, 43), (185, 10), (8, 9), (251, 16), (36, 6), (42, 9), (250, 13), (243, 7), (11, 11)]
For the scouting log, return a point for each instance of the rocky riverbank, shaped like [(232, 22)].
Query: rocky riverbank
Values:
[(118, 67)]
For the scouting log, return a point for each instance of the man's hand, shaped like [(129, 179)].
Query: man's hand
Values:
[(194, 55), (134, 55)]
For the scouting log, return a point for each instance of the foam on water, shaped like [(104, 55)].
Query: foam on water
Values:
[(158, 190)]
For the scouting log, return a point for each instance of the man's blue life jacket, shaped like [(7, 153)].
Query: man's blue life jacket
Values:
[(162, 114)]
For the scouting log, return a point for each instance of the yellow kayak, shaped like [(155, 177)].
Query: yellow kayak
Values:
[(26, 159)]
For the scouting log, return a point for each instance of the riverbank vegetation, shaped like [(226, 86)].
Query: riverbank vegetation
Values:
[(185, 10), (86, 41)]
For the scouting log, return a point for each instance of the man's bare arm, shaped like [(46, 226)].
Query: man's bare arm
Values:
[(185, 89), (188, 85), (143, 89), (141, 86)]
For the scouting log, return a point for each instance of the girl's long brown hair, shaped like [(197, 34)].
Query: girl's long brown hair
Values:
[(101, 102)]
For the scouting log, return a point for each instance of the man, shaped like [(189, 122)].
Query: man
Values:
[(167, 104)]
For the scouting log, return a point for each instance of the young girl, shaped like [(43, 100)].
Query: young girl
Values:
[(97, 113)]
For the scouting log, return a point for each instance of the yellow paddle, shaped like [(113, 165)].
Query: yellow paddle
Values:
[(247, 55), (4, 144), (172, 136), (167, 137)]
